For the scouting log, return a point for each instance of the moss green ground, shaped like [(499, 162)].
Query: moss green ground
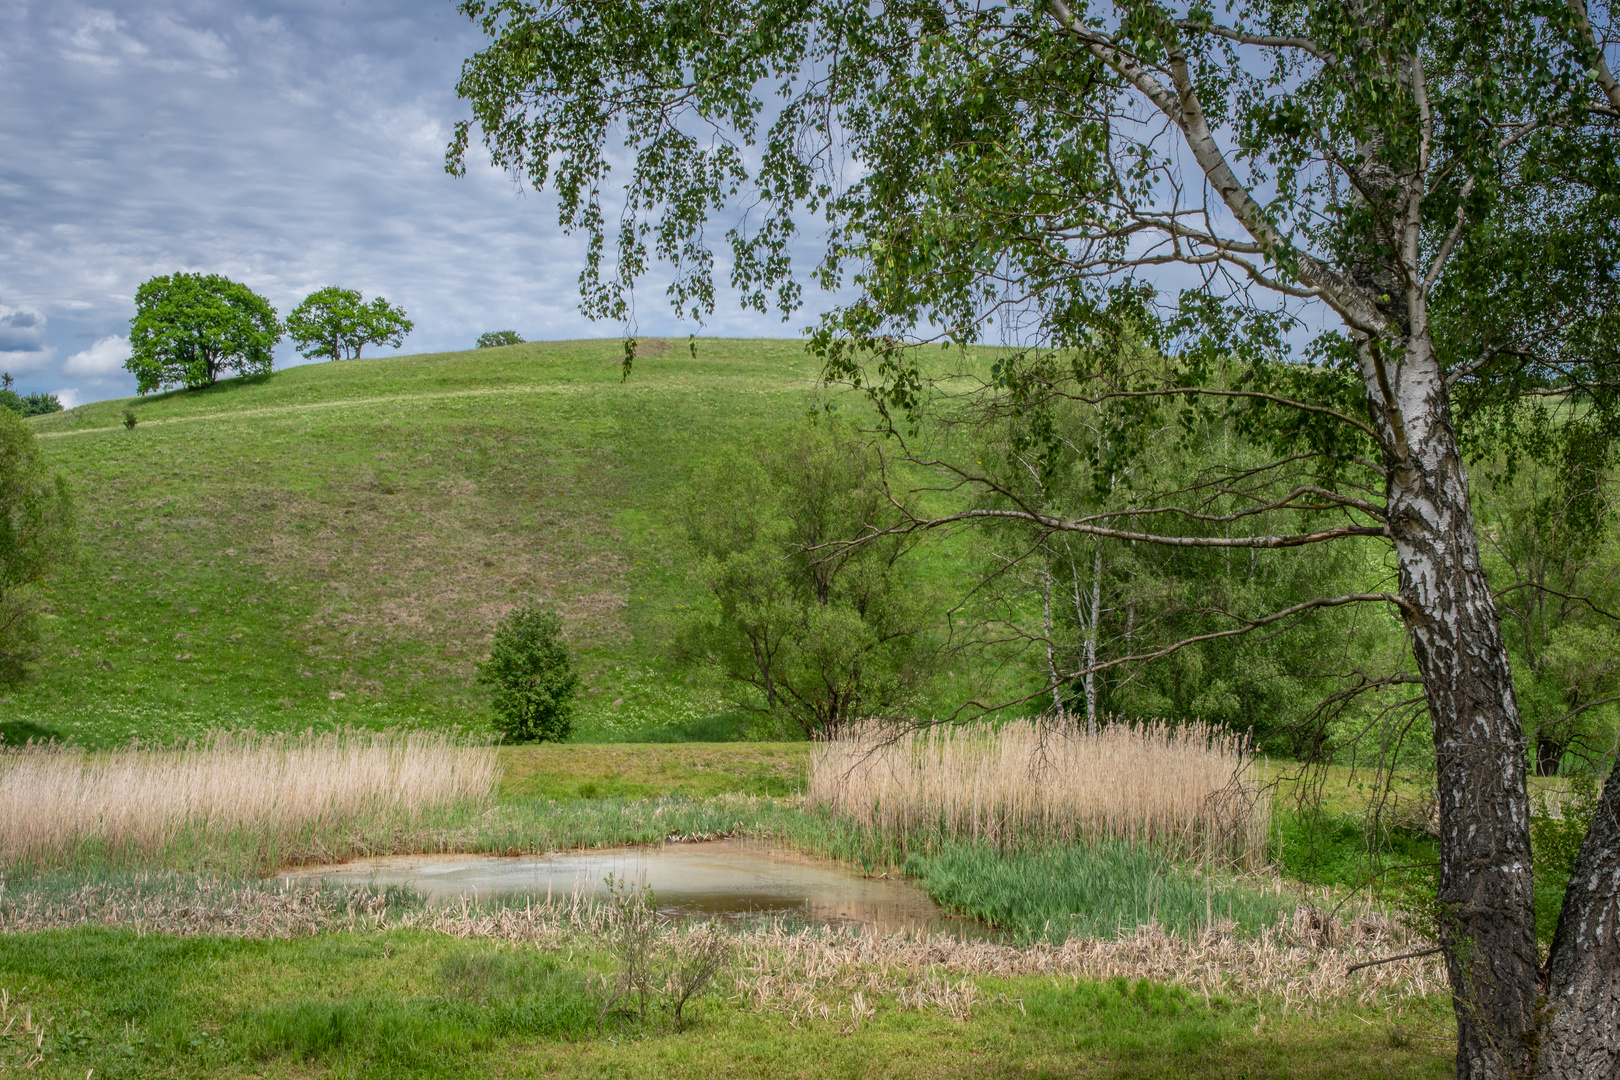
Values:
[(332, 544)]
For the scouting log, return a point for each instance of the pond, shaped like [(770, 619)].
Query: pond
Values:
[(724, 878)]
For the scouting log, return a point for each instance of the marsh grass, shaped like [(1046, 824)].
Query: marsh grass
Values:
[(1102, 890), (239, 802), (1190, 790)]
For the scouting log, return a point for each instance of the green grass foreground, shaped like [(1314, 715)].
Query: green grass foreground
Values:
[(422, 1005)]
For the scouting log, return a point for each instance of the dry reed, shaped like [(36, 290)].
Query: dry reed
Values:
[(263, 791), (1189, 788)]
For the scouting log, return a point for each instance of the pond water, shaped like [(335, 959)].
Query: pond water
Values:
[(723, 878)]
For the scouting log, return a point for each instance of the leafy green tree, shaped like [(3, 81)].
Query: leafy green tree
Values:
[(530, 678), (815, 631), (189, 329), (37, 532), (337, 323), (494, 339), (1431, 181), (1547, 512)]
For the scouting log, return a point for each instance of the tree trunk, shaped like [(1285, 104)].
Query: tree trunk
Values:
[(1580, 1013), (1486, 914)]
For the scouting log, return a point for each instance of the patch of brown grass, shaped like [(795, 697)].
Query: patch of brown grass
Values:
[(252, 789), (1189, 788)]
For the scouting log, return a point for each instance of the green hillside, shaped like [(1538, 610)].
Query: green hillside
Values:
[(331, 544)]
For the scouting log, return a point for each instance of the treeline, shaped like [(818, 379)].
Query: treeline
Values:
[(831, 596), (36, 404)]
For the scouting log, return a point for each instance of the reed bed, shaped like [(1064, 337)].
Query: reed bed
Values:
[(1189, 789), (269, 797)]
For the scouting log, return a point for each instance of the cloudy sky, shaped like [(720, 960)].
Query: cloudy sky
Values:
[(288, 144)]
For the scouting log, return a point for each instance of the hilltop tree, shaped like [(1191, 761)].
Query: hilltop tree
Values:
[(337, 323), (191, 328), (37, 529), (494, 339), (1438, 180)]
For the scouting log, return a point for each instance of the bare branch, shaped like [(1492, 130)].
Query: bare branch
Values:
[(1587, 600), (1392, 959), (1055, 524), (1321, 410), (1264, 41), (1573, 713), (1249, 626)]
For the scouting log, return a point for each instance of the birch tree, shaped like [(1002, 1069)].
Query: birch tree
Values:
[(1420, 194)]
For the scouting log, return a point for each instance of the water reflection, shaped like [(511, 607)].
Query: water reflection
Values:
[(725, 879)]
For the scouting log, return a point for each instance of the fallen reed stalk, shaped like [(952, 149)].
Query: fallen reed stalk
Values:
[(243, 792), (1190, 789)]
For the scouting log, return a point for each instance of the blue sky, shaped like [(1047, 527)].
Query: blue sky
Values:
[(287, 145)]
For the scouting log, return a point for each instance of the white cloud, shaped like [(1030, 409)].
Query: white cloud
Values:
[(69, 397), (105, 357), (287, 144), (21, 363)]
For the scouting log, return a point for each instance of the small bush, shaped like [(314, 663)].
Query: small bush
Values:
[(530, 679), (494, 339)]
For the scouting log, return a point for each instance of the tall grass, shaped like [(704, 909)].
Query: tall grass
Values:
[(1102, 890), (1189, 790), (267, 799)]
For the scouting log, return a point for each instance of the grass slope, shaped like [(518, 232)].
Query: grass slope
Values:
[(331, 544)]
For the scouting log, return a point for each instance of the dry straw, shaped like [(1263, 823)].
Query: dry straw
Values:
[(262, 792), (1189, 788)]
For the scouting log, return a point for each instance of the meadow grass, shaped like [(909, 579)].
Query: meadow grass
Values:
[(332, 544), (648, 770)]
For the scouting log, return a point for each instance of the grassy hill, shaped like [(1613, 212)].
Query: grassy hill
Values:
[(332, 544)]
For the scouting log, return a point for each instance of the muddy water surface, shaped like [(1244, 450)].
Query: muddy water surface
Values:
[(724, 878)]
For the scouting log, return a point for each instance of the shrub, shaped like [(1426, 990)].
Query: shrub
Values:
[(530, 679), (494, 339)]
